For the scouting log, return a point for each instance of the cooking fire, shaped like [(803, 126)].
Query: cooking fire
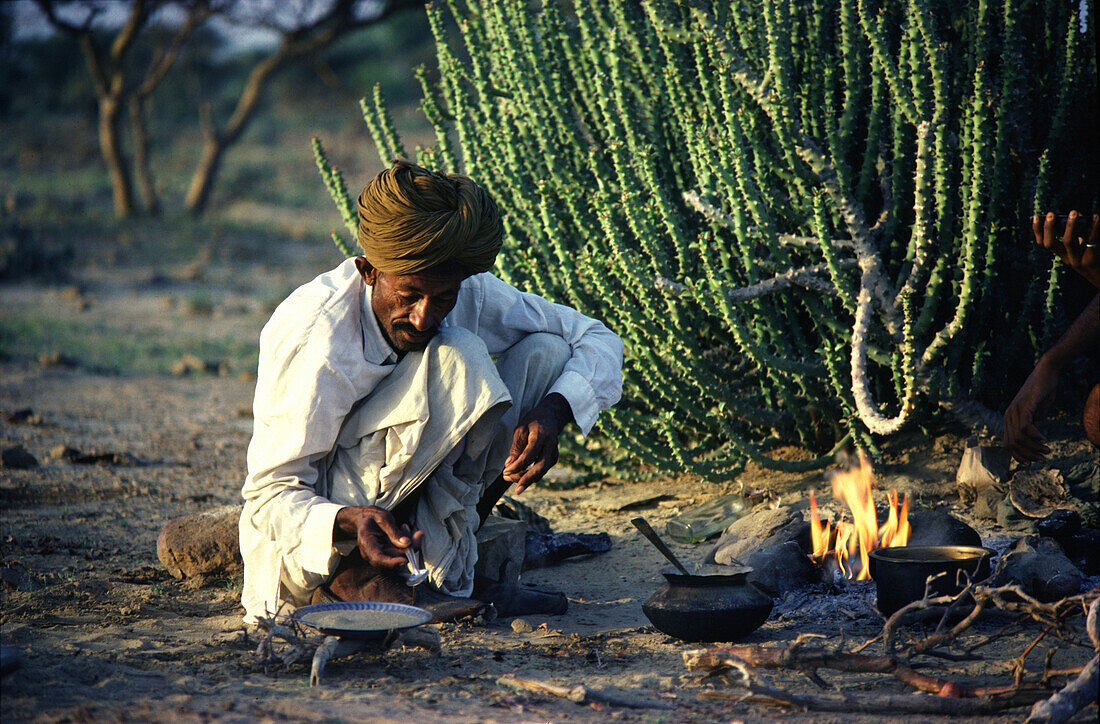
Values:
[(842, 541)]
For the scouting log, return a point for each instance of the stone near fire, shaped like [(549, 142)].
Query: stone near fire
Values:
[(780, 568), (201, 545), (1081, 545), (1060, 524), (937, 528), (758, 529), (22, 416), (1083, 548), (1040, 567), (982, 467)]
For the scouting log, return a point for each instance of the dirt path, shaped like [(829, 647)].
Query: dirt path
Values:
[(106, 634)]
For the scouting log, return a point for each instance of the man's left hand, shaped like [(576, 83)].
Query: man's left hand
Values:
[(535, 442)]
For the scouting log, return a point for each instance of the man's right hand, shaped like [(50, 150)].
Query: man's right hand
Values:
[(380, 540)]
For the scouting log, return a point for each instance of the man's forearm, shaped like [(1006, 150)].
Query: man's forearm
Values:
[(560, 406), (1083, 334)]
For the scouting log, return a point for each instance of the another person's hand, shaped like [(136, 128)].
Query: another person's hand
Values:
[(535, 442), (1022, 438), (1073, 247), (380, 540)]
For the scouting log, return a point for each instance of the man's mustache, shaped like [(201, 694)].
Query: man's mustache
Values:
[(408, 328)]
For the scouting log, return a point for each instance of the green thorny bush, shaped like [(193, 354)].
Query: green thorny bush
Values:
[(806, 220)]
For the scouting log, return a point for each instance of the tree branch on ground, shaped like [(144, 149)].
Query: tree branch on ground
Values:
[(738, 663)]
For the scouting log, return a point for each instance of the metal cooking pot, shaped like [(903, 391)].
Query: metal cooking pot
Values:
[(900, 573), (718, 606)]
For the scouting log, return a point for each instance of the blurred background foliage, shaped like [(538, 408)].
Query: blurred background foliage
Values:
[(194, 282), (49, 103)]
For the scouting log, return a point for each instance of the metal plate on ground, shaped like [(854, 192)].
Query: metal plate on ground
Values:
[(361, 619)]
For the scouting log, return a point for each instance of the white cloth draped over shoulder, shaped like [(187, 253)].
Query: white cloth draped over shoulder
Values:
[(323, 359)]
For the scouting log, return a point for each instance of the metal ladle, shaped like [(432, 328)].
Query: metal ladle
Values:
[(417, 575), (643, 525)]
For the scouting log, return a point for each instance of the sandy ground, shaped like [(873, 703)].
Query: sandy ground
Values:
[(106, 634)]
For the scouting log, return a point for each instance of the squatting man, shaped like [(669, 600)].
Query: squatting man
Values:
[(398, 397)]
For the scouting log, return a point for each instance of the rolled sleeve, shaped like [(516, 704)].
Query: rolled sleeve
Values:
[(582, 400), (501, 315), (318, 552)]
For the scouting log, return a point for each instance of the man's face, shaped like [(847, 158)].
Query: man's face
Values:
[(410, 307)]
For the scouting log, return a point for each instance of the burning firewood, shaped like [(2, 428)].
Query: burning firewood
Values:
[(855, 487)]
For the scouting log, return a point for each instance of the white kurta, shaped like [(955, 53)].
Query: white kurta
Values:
[(321, 353)]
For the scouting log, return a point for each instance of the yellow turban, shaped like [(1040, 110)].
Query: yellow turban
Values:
[(412, 219)]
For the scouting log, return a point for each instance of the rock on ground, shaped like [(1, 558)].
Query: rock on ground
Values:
[(758, 529), (780, 568), (17, 458), (202, 544), (1040, 567), (1081, 545), (936, 528)]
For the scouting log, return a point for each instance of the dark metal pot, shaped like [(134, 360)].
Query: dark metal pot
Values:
[(900, 573), (709, 607)]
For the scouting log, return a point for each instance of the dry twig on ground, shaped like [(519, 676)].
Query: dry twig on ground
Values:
[(1080, 692), (277, 626), (951, 697), (1008, 599), (579, 694)]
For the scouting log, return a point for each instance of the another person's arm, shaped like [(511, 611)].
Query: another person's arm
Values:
[(1022, 438)]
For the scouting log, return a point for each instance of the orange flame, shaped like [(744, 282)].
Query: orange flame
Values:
[(856, 488), (818, 535)]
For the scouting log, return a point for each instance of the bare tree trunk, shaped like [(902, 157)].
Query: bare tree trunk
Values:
[(215, 143), (138, 130), (202, 180), (154, 74), (111, 148), (107, 70), (300, 43)]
